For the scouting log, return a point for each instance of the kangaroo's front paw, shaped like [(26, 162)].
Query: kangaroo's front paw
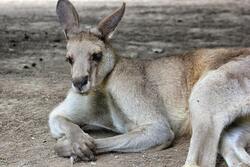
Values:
[(80, 147)]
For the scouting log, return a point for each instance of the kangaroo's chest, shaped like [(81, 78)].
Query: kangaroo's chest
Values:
[(121, 119)]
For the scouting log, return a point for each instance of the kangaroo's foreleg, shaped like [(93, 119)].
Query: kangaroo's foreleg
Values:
[(65, 121), (75, 142), (139, 139)]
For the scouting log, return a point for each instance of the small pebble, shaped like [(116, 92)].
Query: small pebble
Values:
[(26, 36), (157, 50), (92, 163), (133, 55), (33, 64), (57, 40), (26, 67), (179, 20), (32, 138), (41, 59), (116, 156), (87, 26)]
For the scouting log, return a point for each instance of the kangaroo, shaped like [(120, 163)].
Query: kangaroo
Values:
[(149, 103)]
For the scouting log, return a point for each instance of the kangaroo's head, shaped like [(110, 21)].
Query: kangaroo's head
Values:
[(88, 52)]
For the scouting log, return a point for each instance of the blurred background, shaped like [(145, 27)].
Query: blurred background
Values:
[(34, 76)]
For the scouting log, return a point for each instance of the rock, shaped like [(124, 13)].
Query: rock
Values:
[(26, 67), (33, 64), (13, 44), (92, 163), (57, 40), (87, 26), (158, 50), (179, 20), (26, 37), (11, 50), (133, 55)]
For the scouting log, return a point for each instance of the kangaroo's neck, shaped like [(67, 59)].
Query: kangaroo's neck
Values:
[(123, 69)]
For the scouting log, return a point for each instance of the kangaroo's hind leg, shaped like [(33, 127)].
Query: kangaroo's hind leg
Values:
[(233, 143), (215, 102)]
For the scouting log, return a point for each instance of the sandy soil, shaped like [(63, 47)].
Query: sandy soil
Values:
[(34, 76)]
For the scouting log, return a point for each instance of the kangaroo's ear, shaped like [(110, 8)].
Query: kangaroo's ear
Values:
[(108, 24), (68, 17)]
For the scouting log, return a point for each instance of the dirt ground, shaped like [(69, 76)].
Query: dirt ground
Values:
[(34, 76)]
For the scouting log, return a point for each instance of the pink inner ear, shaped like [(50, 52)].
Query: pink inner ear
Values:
[(68, 16), (109, 23)]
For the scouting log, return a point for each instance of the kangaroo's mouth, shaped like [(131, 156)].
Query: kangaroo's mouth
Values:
[(84, 91)]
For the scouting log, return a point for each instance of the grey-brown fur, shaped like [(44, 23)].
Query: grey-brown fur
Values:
[(151, 102)]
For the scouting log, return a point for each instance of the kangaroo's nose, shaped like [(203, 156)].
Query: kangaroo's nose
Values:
[(80, 82)]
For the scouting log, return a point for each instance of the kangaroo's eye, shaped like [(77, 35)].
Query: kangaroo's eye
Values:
[(70, 60), (97, 56)]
